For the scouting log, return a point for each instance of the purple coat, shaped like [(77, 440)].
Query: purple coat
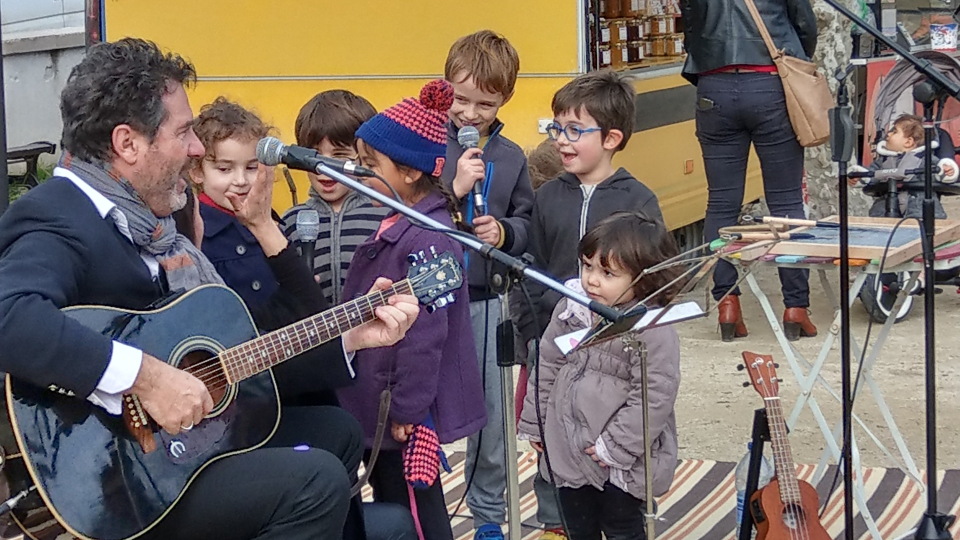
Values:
[(436, 370)]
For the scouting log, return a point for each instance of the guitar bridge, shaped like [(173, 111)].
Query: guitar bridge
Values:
[(138, 423)]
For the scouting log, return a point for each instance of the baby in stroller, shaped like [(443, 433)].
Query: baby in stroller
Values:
[(903, 151)]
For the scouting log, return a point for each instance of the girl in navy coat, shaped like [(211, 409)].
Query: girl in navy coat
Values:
[(433, 373)]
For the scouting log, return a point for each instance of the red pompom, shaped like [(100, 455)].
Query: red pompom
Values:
[(437, 95)]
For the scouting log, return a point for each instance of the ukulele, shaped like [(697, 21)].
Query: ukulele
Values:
[(786, 508), (109, 477)]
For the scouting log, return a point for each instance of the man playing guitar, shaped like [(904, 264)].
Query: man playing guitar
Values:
[(99, 233)]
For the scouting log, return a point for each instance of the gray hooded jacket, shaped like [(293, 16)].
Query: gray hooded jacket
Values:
[(592, 397)]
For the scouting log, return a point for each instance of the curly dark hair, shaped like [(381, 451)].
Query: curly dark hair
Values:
[(118, 83), (224, 119)]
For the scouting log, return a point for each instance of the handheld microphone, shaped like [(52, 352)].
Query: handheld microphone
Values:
[(469, 137), (308, 229), (271, 151)]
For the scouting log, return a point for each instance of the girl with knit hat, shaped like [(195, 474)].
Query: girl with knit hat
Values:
[(433, 375)]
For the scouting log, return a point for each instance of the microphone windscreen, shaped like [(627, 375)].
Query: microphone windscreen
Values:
[(468, 137), (308, 225), (270, 151)]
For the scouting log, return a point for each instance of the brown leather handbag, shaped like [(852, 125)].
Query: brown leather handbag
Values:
[(808, 96)]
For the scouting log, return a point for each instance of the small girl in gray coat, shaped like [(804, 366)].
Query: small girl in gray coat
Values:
[(590, 400)]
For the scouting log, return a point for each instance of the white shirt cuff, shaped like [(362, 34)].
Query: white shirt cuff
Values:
[(119, 376), (603, 453), (348, 357)]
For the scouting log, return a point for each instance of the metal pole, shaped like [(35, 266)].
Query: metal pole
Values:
[(4, 176), (505, 360)]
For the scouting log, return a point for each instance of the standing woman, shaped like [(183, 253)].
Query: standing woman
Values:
[(740, 101)]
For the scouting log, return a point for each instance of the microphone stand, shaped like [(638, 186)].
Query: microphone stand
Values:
[(933, 525), (513, 264)]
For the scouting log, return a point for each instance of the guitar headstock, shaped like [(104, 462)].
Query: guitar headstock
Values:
[(763, 374), (434, 279)]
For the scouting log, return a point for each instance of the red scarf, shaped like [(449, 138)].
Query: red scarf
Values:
[(205, 199)]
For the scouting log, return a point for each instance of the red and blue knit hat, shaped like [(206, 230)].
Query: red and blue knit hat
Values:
[(413, 132)]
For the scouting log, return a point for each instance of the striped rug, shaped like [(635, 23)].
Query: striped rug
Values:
[(702, 501)]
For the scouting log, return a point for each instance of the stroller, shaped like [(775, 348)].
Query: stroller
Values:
[(895, 97)]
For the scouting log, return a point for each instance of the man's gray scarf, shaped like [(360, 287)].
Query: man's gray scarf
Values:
[(185, 266)]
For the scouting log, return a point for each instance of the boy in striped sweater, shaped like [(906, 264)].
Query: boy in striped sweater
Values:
[(327, 123)]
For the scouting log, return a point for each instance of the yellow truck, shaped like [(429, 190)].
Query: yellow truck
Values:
[(273, 56)]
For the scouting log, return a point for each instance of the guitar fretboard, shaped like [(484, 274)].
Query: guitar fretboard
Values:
[(256, 356), (782, 456)]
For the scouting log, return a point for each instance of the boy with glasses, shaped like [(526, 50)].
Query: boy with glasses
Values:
[(327, 123), (593, 120)]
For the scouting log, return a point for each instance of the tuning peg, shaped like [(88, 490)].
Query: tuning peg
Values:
[(746, 385), (433, 251), (431, 308), (412, 259), (776, 365), (741, 367), (450, 298)]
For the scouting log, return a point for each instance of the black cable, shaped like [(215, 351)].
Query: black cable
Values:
[(863, 354)]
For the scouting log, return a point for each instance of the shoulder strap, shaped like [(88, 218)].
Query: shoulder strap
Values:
[(774, 53)]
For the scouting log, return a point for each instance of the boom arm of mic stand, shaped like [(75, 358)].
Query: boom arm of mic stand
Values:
[(472, 242)]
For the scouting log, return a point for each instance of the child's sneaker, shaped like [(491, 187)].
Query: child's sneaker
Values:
[(554, 534), (488, 531)]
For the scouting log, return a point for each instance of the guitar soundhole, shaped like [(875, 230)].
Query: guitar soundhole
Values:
[(203, 365), (793, 516)]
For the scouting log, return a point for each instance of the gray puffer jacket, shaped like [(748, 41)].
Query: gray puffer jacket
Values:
[(592, 397)]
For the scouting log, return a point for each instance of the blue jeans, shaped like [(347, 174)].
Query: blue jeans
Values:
[(733, 111)]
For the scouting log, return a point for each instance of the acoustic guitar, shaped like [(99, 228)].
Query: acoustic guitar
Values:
[(108, 477), (786, 508)]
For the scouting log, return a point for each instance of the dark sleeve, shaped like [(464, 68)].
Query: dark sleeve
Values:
[(516, 224), (805, 23), (297, 298), (531, 326), (650, 206), (41, 271)]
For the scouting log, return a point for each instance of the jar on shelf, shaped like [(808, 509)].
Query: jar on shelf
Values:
[(618, 32), (634, 30), (660, 25), (610, 8), (636, 52), (675, 45), (631, 8), (605, 56), (648, 47), (648, 26), (619, 55), (660, 45), (604, 33)]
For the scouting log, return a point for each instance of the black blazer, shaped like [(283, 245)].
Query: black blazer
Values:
[(56, 251)]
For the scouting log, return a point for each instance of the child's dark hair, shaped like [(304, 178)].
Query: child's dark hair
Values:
[(634, 242), (606, 96), (544, 163), (912, 126), (224, 119), (335, 115)]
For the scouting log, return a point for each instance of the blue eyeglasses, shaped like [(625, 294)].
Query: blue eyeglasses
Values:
[(570, 131)]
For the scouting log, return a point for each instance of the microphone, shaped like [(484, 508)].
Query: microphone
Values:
[(469, 137), (308, 229), (271, 151)]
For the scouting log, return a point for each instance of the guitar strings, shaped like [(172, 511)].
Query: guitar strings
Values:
[(793, 491), (213, 364), (211, 371)]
